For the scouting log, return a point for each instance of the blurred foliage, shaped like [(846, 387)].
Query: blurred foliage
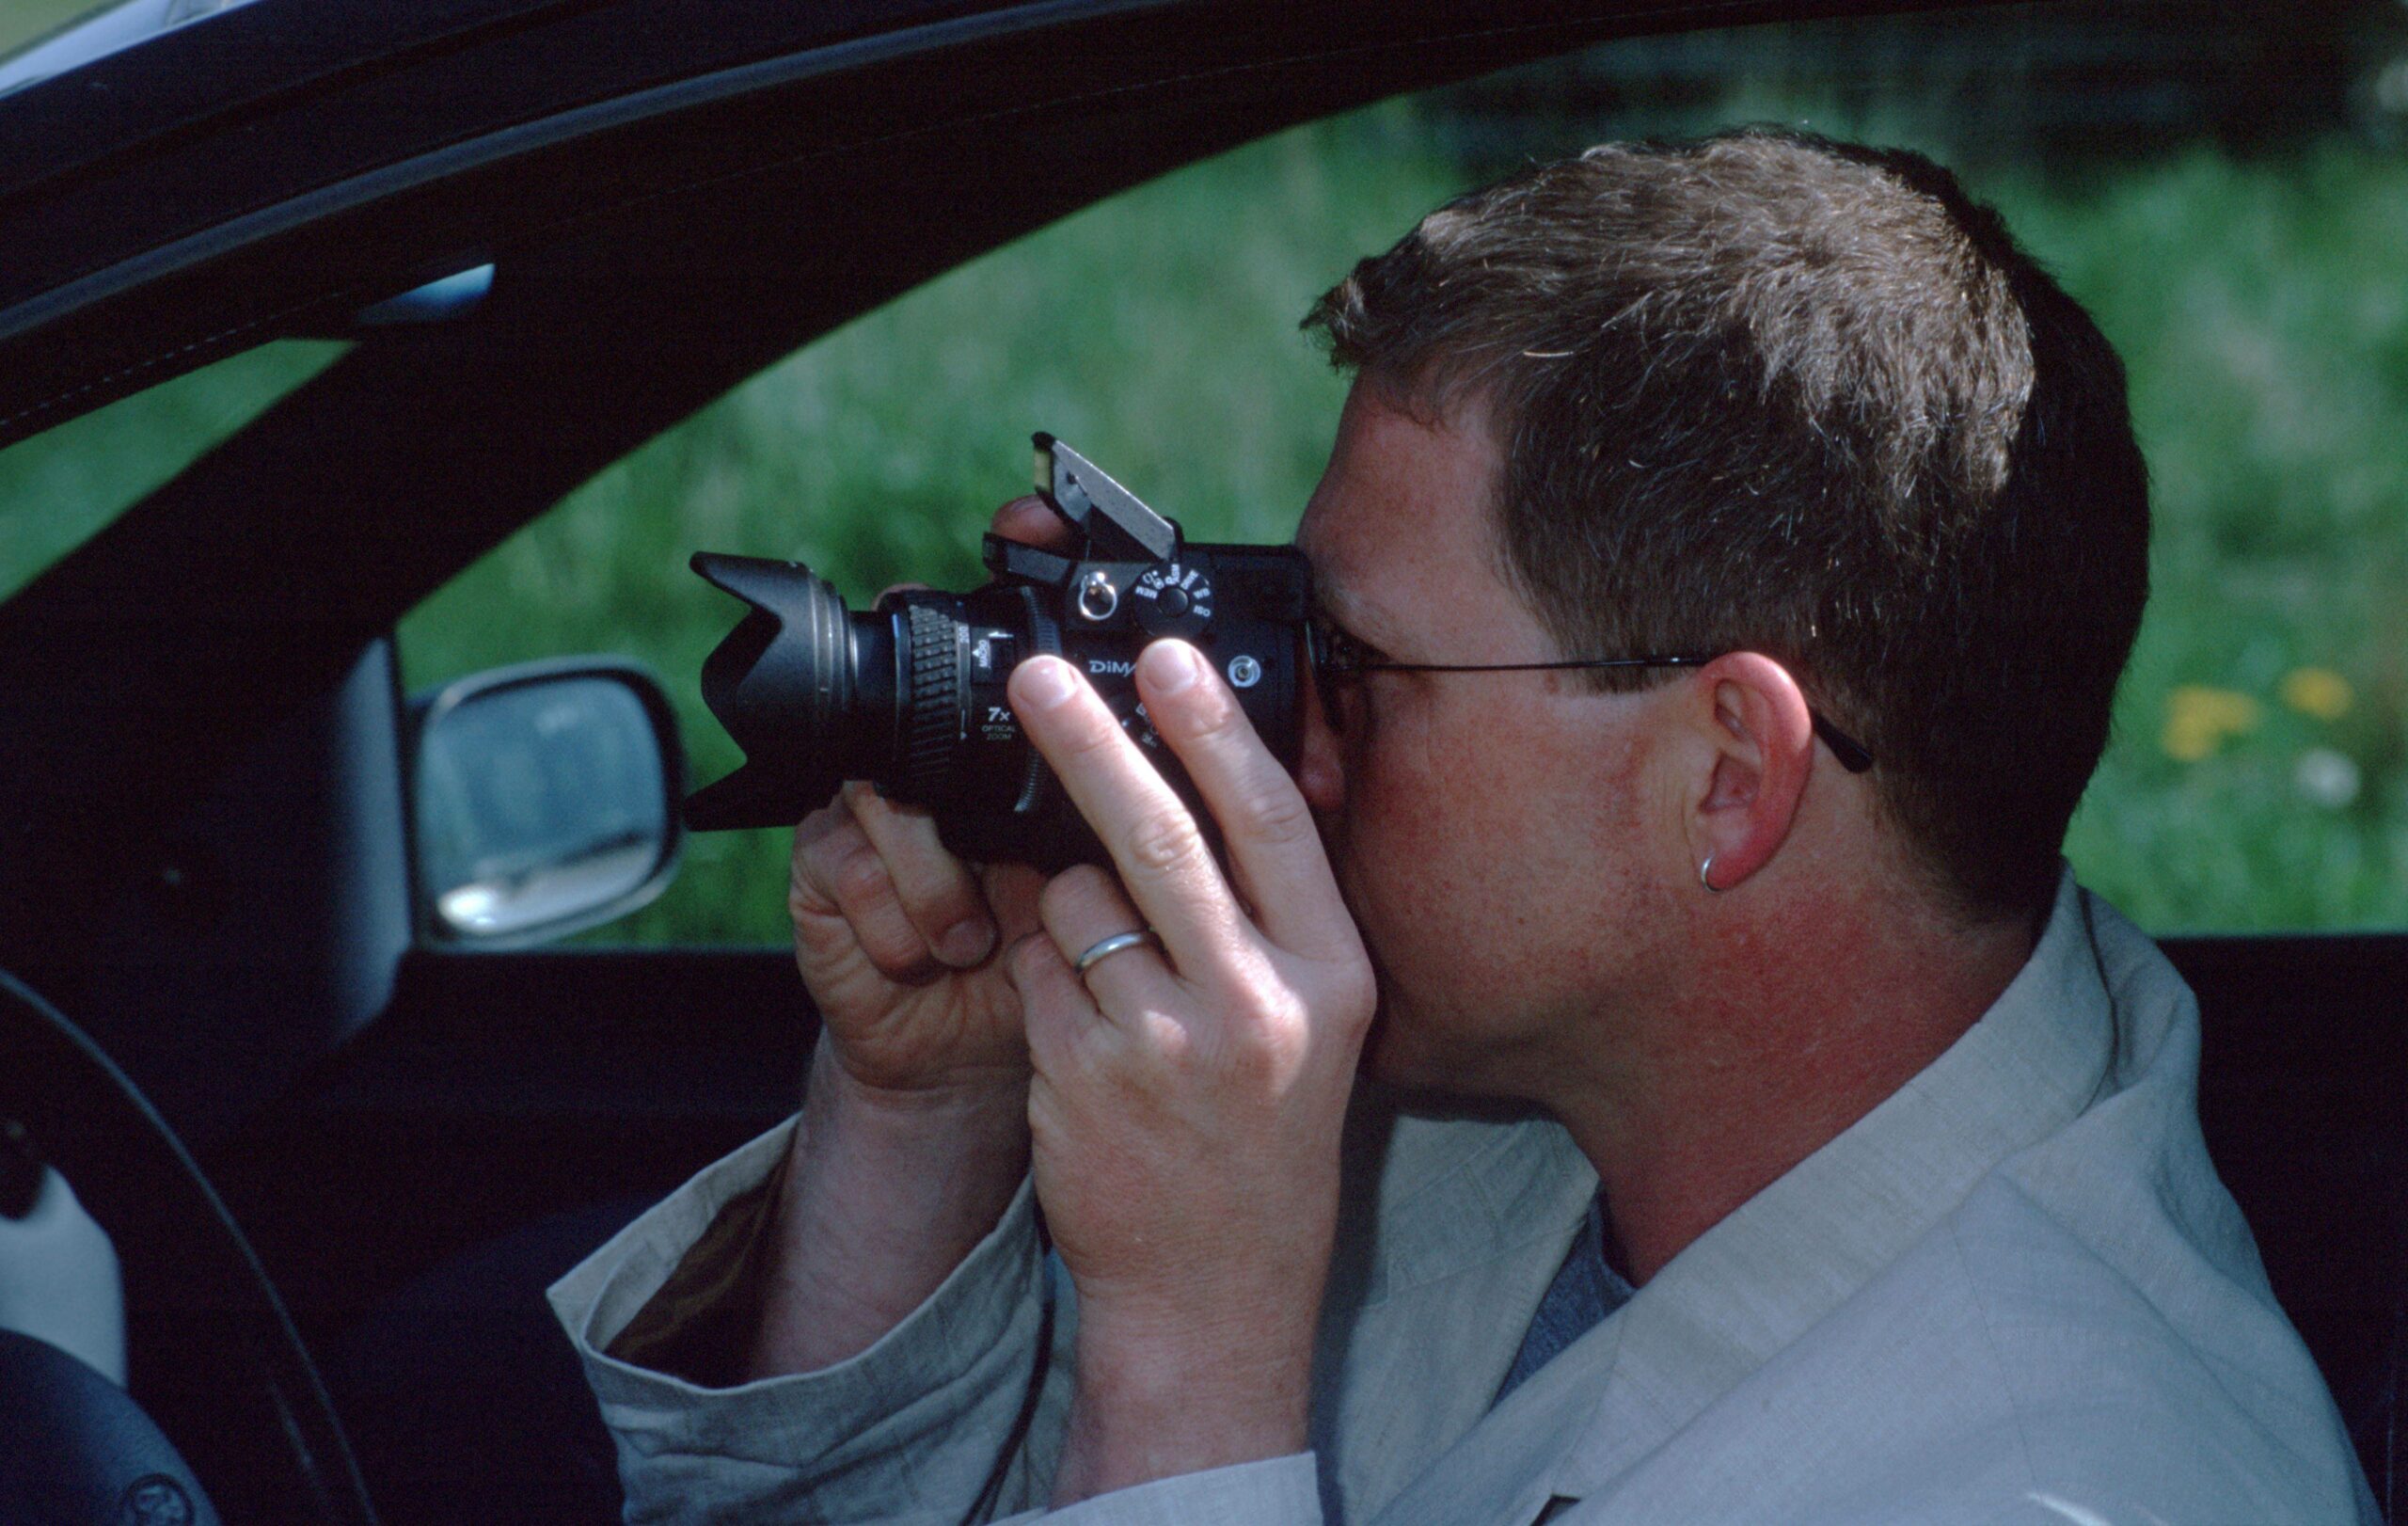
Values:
[(2262, 307), (28, 21), (2060, 83), (2256, 282)]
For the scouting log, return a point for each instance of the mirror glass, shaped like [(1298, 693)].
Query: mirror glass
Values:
[(537, 804)]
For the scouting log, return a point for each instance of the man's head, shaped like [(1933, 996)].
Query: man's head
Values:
[(1799, 405), (1765, 393)]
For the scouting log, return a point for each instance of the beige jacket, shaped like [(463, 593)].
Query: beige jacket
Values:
[(2014, 1292)]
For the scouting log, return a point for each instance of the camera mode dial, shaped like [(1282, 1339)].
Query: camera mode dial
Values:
[(1172, 600)]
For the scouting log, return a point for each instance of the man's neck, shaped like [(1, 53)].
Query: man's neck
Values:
[(1760, 1062)]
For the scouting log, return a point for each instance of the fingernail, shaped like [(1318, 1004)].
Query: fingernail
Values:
[(1046, 682), (1169, 666), (965, 943)]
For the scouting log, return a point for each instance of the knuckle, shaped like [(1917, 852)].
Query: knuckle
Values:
[(896, 951), (1169, 1039), (1277, 1031), (1219, 717), (1276, 814), (925, 875), (1089, 735), (1208, 712), (859, 877), (825, 835), (1273, 1009), (809, 912), (811, 836), (1029, 959), (903, 965), (811, 882), (1353, 993), (1164, 839), (1067, 892), (939, 893)]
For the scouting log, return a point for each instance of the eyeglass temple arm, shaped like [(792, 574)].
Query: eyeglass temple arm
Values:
[(1850, 752)]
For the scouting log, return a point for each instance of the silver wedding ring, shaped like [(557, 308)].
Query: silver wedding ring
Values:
[(1111, 946)]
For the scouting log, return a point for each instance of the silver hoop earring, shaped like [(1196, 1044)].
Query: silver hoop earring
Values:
[(1703, 870)]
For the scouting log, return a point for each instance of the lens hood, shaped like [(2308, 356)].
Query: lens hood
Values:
[(783, 684)]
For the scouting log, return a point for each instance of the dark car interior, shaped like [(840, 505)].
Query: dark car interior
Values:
[(342, 1159)]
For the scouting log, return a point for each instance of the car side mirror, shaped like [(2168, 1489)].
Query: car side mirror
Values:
[(545, 800)]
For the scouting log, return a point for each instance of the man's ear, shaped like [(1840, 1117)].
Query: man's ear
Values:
[(1759, 738)]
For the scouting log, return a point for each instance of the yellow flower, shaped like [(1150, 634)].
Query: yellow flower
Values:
[(2198, 719), (2318, 692)]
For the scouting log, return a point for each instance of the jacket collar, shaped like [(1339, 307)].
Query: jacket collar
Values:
[(1784, 1260), (1789, 1256)]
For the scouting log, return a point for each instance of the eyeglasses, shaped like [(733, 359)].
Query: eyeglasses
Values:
[(1339, 656)]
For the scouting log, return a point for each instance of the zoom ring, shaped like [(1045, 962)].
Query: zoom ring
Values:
[(932, 719)]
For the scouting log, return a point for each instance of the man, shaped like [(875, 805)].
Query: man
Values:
[(1726, 561)]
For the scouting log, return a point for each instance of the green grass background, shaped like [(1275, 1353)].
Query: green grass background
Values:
[(2260, 302)]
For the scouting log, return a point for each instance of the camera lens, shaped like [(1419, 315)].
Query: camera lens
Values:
[(794, 684), (810, 686), (909, 695)]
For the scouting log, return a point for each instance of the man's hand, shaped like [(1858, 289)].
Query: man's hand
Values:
[(1187, 1101), (914, 1127), (896, 939)]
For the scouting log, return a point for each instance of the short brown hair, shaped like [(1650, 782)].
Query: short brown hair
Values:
[(1766, 391)]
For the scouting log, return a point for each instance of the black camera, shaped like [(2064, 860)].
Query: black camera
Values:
[(911, 695)]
